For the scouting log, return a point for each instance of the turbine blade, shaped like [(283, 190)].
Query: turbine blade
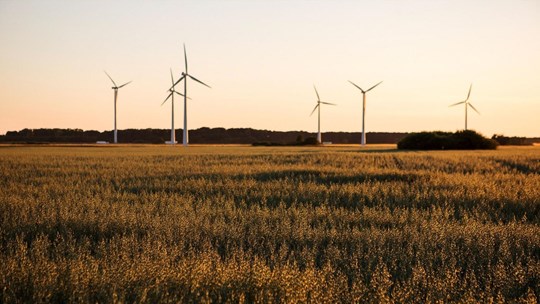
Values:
[(181, 94), (373, 87), (110, 78), (180, 79), (172, 78), (185, 57), (166, 99), (328, 103), (314, 110), (455, 104), (318, 98), (473, 108), (468, 95), (356, 86), (197, 80), (125, 84)]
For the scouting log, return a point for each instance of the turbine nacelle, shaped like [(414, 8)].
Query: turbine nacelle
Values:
[(172, 91), (116, 87), (319, 102), (466, 101), (364, 92)]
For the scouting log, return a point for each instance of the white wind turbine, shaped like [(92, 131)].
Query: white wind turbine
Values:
[(184, 74), (171, 96), (364, 109), (115, 88), (318, 106), (467, 105)]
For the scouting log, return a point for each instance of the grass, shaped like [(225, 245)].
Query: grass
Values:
[(253, 224)]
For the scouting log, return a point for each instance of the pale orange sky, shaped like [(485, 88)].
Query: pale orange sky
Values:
[(263, 57)]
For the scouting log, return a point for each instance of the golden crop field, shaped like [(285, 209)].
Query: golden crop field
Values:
[(154, 224)]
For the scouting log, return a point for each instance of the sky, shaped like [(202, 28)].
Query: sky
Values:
[(262, 59)]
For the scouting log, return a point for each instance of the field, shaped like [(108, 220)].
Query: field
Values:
[(243, 224)]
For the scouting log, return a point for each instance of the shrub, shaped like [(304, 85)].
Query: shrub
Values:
[(460, 140), (514, 141)]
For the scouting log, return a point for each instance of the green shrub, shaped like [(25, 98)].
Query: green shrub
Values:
[(514, 141), (437, 140)]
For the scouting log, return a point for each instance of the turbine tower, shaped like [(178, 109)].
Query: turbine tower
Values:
[(185, 76), (171, 96), (115, 88), (364, 109), (318, 107), (467, 105)]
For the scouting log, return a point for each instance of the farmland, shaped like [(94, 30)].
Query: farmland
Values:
[(252, 224)]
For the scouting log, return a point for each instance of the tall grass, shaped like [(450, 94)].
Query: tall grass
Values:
[(294, 225)]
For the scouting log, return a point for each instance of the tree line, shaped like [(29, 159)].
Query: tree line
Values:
[(207, 135), (197, 136)]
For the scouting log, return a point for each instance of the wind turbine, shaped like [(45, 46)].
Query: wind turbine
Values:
[(185, 141), (171, 96), (364, 109), (115, 88), (467, 104), (318, 106)]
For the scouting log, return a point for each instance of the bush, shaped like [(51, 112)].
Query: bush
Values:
[(514, 141), (460, 140)]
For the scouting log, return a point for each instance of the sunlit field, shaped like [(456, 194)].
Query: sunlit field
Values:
[(251, 224)]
